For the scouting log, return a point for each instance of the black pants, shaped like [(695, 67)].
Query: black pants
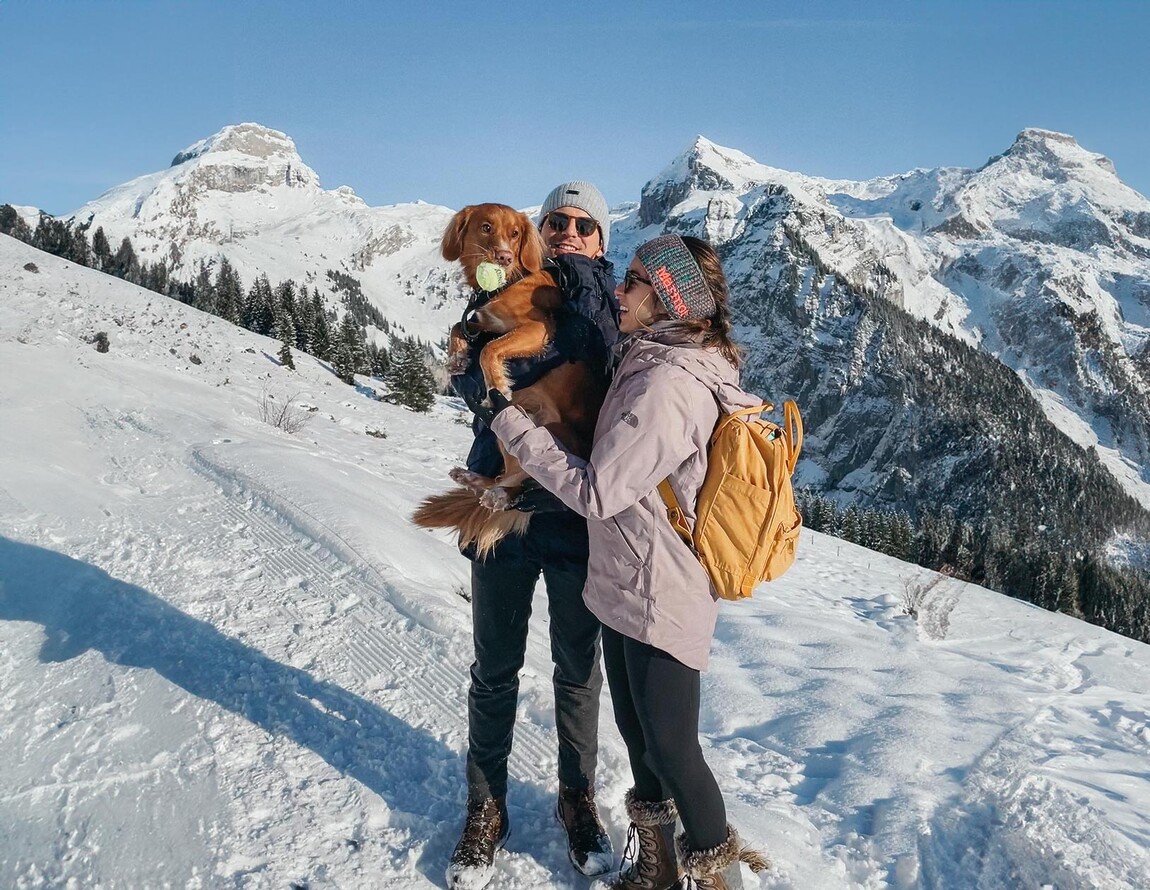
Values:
[(502, 588), (656, 699)]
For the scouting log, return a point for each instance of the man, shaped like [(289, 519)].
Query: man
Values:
[(575, 226)]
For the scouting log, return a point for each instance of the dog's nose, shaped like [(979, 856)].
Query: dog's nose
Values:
[(504, 257)]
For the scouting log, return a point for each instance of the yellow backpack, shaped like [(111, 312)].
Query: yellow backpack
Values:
[(746, 522)]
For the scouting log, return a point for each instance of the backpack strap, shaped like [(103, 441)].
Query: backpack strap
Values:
[(675, 513), (793, 430), (674, 509)]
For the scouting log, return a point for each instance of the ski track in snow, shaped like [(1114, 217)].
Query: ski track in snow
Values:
[(298, 576)]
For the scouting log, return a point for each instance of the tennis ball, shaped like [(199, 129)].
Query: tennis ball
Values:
[(490, 276)]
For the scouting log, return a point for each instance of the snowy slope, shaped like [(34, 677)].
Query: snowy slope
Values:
[(227, 660)]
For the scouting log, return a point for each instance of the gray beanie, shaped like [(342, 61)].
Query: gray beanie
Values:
[(584, 196)]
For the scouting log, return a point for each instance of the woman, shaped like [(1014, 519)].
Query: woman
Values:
[(678, 367)]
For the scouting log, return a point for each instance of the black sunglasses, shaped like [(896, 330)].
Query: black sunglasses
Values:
[(584, 225), (630, 278)]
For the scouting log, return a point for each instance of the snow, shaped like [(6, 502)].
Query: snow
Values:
[(228, 660)]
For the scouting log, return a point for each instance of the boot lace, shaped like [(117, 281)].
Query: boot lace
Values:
[(481, 832)]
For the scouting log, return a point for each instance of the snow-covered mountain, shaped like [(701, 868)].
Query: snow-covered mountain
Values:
[(1040, 258), (228, 660), (246, 194), (975, 340)]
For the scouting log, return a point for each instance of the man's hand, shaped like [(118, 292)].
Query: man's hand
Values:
[(486, 410)]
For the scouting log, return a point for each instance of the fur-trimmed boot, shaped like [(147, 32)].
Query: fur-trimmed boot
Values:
[(718, 867), (649, 857)]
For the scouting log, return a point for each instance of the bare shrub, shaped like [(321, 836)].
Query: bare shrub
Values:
[(284, 414), (929, 600)]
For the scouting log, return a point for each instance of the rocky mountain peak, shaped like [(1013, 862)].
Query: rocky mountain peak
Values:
[(1055, 156), (703, 166), (242, 156), (253, 140)]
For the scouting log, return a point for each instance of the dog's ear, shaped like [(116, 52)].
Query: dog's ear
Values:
[(530, 246), (452, 244)]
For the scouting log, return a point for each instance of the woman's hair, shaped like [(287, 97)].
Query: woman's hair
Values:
[(716, 330)]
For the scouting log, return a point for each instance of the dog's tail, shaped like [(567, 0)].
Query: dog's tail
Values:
[(477, 526)]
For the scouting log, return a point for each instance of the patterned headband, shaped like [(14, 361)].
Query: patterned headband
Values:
[(676, 277)]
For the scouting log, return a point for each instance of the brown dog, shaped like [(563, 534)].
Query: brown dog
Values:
[(565, 400)]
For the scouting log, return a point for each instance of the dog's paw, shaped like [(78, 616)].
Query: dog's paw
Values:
[(496, 499), (468, 479), (457, 362)]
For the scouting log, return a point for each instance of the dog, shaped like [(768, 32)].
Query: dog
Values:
[(565, 400)]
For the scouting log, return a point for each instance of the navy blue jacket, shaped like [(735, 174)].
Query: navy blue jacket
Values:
[(587, 327)]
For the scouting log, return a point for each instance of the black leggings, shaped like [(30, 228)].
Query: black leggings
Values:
[(656, 700)]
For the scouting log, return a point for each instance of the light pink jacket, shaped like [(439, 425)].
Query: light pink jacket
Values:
[(642, 580)]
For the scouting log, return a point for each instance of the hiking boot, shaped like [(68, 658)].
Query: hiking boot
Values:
[(588, 846), (718, 867), (649, 857), (485, 830)]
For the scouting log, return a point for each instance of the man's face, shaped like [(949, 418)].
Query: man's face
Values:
[(561, 233)]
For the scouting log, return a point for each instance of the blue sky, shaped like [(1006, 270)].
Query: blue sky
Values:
[(457, 102)]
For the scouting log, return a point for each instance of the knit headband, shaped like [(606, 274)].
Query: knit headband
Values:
[(676, 277)]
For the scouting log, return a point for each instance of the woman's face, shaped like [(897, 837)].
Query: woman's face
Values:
[(561, 233), (639, 307)]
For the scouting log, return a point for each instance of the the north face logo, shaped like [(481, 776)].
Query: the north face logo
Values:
[(629, 419)]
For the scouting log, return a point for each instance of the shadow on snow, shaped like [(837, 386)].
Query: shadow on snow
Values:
[(82, 607)]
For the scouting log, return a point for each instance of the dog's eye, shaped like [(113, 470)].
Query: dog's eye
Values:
[(514, 233), (486, 227)]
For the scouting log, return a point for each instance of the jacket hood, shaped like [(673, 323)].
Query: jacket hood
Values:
[(665, 344)]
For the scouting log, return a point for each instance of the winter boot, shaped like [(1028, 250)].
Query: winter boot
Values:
[(486, 830), (649, 858), (718, 867), (587, 843)]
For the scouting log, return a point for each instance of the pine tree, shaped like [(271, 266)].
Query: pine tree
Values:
[(101, 251), (204, 297), (409, 379), (53, 236), (285, 333), (229, 292), (305, 322), (79, 251), (851, 525), (285, 298), (321, 331), (13, 224), (160, 282), (377, 361), (348, 354), (257, 313), (125, 264)]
